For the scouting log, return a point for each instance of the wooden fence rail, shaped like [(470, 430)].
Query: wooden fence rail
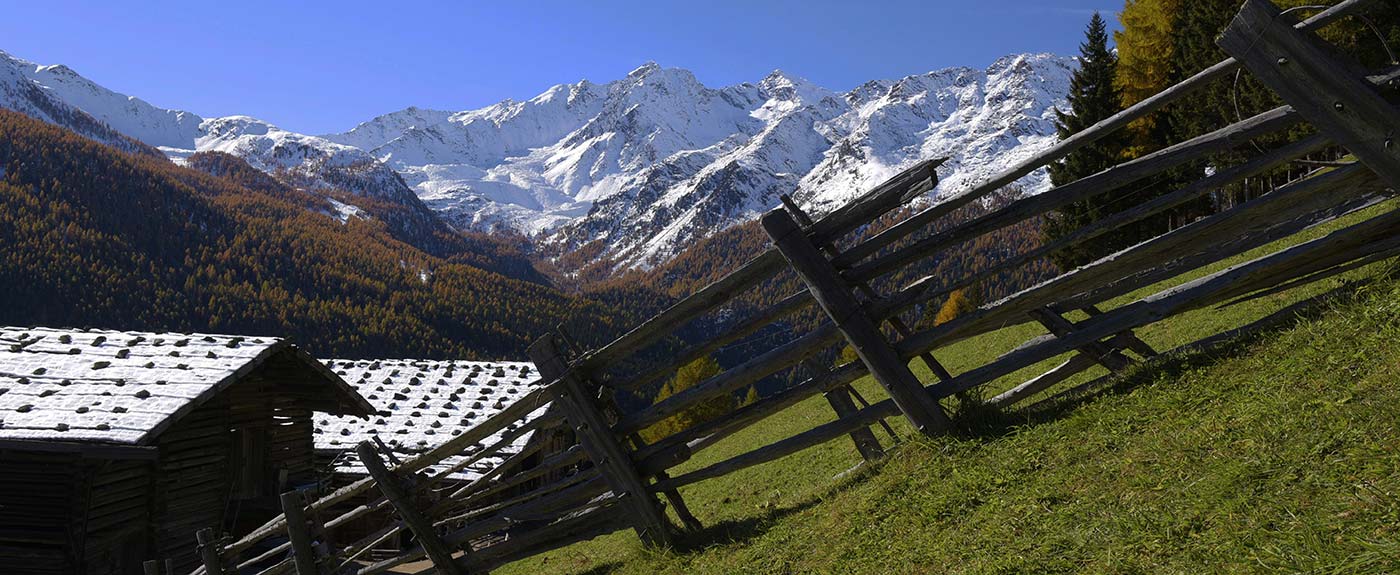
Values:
[(612, 479)]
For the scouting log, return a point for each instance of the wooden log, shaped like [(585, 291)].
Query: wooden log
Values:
[(592, 428), (870, 294), (1079, 140), (835, 298), (1333, 94), (783, 308), (1097, 351), (208, 549), (840, 400), (303, 555), (854, 214), (585, 526), (423, 530), (810, 438), (1070, 367), (735, 378), (1339, 246), (527, 403), (931, 287), (1130, 339), (1218, 235), (1112, 178)]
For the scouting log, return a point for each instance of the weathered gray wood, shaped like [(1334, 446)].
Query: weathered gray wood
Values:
[(584, 526), (840, 400), (1338, 247), (1218, 236), (592, 428), (1059, 196), (422, 528), (1068, 145), (528, 403), (900, 328), (810, 438), (302, 552), (932, 287), (1070, 367), (836, 300), (1097, 351), (850, 216), (1130, 339), (151, 567), (1330, 92), (735, 378), (209, 551)]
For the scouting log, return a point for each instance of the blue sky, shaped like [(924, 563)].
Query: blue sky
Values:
[(323, 67)]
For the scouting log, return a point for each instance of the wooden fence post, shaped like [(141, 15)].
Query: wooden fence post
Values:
[(840, 399), (1331, 93), (1098, 351), (209, 551), (582, 411), (389, 484), (303, 555), (151, 567), (835, 298)]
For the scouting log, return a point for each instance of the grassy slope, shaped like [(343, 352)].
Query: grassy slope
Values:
[(1277, 453)]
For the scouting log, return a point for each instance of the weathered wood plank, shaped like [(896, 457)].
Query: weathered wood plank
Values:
[(209, 551), (1097, 351), (1330, 92), (850, 216), (303, 554), (580, 407), (840, 400), (1069, 368), (845, 312), (423, 530)]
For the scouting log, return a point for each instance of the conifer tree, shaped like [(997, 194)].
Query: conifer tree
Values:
[(688, 376), (1093, 97)]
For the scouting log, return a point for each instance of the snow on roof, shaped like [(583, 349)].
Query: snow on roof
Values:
[(423, 403), (116, 386)]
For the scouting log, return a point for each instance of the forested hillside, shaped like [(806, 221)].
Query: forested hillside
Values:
[(98, 237)]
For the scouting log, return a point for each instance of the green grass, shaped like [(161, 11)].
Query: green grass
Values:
[(1278, 453)]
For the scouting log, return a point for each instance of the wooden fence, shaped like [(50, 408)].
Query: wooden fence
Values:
[(612, 479)]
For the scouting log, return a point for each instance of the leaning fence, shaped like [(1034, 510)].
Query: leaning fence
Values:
[(611, 479)]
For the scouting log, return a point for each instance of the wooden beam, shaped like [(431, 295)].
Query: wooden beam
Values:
[(208, 551), (835, 298), (423, 530), (302, 552), (866, 443), (1333, 94), (581, 408), (1096, 350)]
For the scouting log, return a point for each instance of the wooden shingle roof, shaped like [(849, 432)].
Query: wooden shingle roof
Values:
[(420, 404), (125, 388)]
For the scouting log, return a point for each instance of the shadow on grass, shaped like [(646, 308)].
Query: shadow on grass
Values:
[(974, 418)]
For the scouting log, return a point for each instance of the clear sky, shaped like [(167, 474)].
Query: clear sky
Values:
[(326, 66)]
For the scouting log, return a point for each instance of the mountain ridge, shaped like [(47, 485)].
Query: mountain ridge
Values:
[(641, 167)]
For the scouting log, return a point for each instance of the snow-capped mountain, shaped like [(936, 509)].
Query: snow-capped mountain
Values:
[(646, 164), (649, 163)]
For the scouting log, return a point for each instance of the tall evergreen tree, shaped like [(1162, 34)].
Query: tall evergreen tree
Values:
[(1093, 96)]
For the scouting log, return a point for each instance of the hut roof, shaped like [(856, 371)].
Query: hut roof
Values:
[(125, 388), (423, 403)]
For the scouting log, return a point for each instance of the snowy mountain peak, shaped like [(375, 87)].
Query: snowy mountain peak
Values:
[(645, 164)]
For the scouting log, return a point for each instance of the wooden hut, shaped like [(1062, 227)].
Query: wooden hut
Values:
[(117, 446)]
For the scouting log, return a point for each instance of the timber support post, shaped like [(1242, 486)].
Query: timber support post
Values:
[(1100, 352), (303, 554), (582, 411), (1331, 93), (209, 551), (835, 298), (390, 484), (842, 403)]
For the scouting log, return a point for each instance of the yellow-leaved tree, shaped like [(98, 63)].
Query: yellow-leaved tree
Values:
[(687, 377)]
